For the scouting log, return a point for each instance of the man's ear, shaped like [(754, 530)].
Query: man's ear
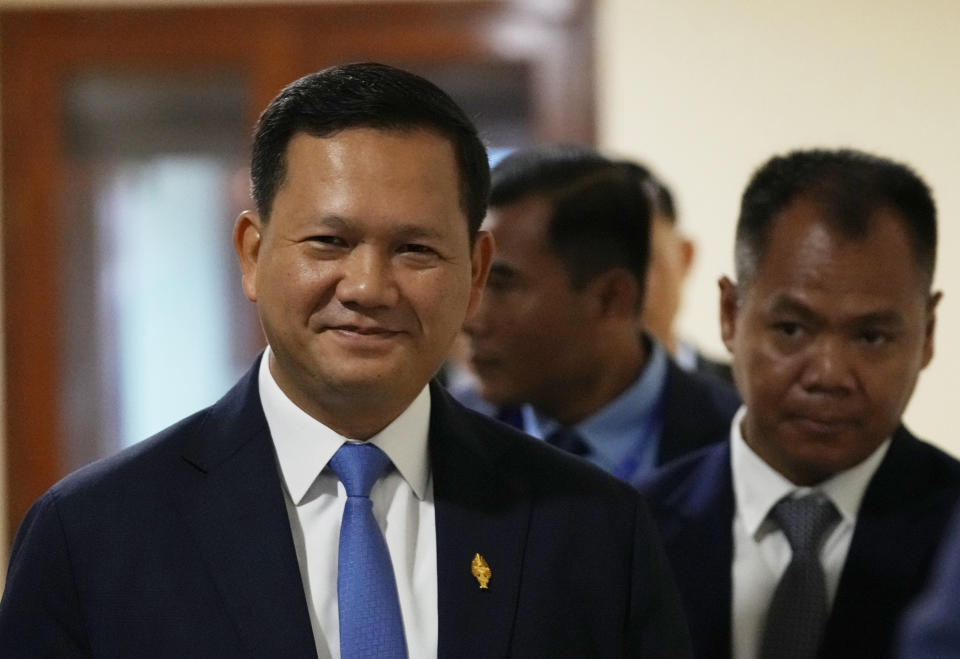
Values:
[(247, 233), (617, 293), (729, 305), (931, 324), (688, 251), (480, 260)]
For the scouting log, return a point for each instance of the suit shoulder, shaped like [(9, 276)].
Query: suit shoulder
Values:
[(715, 368), (142, 462), (938, 459), (932, 470), (706, 389), (922, 457), (672, 482)]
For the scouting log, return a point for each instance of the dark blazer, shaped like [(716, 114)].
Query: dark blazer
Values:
[(714, 367), (899, 527), (697, 411), (181, 547)]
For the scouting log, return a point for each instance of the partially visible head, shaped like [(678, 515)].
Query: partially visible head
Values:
[(596, 214), (671, 256), (832, 318), (366, 95), (658, 194), (572, 231)]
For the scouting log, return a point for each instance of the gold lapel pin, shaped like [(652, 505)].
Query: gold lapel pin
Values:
[(480, 570)]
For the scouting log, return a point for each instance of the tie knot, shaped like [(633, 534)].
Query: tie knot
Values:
[(569, 440), (359, 466), (805, 521)]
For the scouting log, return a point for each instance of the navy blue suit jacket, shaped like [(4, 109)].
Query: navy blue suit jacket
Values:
[(181, 547), (899, 527)]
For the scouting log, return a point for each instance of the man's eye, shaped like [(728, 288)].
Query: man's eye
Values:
[(789, 330), (416, 248), (873, 337), (327, 240)]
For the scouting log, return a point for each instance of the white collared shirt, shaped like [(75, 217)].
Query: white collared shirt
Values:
[(402, 503), (761, 551)]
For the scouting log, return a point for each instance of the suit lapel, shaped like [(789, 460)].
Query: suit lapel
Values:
[(480, 509), (232, 502)]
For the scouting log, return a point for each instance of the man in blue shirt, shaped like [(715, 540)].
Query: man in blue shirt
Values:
[(557, 343)]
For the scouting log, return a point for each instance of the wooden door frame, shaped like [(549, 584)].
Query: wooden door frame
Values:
[(40, 48)]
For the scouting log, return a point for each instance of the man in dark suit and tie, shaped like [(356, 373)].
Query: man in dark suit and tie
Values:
[(811, 530), (334, 503), (559, 339)]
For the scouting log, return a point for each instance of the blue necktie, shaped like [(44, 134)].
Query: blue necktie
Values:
[(370, 621)]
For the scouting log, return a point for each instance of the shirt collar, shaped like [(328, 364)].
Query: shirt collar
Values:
[(304, 446), (685, 355), (613, 431), (758, 487)]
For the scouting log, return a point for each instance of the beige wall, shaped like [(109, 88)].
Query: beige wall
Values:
[(707, 90)]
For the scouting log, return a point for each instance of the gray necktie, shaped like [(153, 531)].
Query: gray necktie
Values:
[(798, 611)]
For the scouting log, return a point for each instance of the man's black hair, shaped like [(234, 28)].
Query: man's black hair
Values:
[(600, 217), (367, 95), (849, 187)]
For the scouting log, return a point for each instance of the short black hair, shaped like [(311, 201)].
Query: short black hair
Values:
[(850, 187), (658, 194), (600, 217), (368, 95)]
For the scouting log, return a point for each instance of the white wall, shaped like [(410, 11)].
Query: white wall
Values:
[(704, 91)]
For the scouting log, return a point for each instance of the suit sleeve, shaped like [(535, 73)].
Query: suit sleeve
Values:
[(40, 611), (658, 627)]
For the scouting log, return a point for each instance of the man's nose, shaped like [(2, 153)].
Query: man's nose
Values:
[(829, 367), (367, 279)]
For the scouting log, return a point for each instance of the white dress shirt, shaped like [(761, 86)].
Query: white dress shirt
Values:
[(402, 504), (761, 551)]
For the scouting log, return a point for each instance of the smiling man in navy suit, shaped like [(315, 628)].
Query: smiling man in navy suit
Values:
[(811, 530), (222, 535)]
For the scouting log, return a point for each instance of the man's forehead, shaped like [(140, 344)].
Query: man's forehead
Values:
[(808, 215), (803, 234), (824, 308)]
